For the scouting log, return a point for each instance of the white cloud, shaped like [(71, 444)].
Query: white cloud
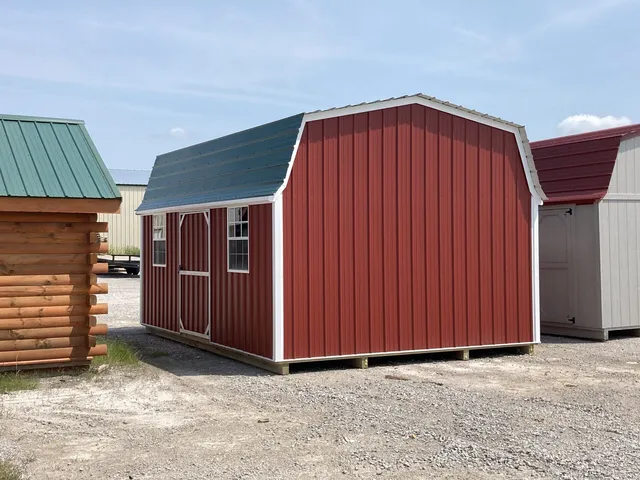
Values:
[(177, 132), (588, 123)]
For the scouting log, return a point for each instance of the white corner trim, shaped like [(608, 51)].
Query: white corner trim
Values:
[(523, 144), (141, 272), (278, 279), (199, 207), (291, 160), (535, 271)]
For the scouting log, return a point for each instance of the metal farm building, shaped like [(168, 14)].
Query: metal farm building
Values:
[(124, 228), (399, 226), (590, 233)]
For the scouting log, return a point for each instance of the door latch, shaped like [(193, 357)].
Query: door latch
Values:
[(571, 319)]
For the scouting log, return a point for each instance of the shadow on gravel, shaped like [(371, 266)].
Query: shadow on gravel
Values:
[(558, 340), (179, 359)]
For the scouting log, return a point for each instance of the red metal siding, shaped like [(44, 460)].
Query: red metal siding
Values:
[(160, 284), (405, 229), (578, 168), (194, 247), (242, 303)]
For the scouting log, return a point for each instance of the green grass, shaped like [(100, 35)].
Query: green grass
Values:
[(9, 471), (13, 382), (124, 250), (119, 352)]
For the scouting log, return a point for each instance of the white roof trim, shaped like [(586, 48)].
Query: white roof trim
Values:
[(205, 206), (519, 131)]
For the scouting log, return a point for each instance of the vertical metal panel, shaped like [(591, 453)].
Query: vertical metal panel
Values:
[(416, 211), (486, 222), (160, 284), (345, 236), (315, 261), (432, 228), (361, 231), (459, 206), (405, 213), (330, 231), (390, 227), (497, 252), (445, 228), (418, 239), (242, 303), (472, 243), (376, 202)]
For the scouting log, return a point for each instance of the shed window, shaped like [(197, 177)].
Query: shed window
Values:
[(238, 239), (159, 240)]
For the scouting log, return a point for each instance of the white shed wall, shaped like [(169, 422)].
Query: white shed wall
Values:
[(124, 228), (619, 216)]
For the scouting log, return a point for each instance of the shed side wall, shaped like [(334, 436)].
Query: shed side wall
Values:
[(619, 216), (242, 303), (620, 263), (160, 284), (124, 228), (405, 229)]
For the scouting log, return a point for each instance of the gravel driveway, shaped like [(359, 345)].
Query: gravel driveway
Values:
[(572, 410)]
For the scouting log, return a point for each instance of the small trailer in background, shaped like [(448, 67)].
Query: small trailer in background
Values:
[(128, 263)]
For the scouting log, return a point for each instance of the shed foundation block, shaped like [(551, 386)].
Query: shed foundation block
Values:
[(462, 355)]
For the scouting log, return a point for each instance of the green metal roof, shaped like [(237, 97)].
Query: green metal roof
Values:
[(51, 157)]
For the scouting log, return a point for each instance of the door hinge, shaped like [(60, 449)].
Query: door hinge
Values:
[(569, 212), (571, 319)]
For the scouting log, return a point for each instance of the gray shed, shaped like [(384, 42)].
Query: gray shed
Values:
[(590, 233)]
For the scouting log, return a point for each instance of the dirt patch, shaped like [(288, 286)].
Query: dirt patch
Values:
[(569, 411)]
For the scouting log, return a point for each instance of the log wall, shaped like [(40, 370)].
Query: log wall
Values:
[(49, 289)]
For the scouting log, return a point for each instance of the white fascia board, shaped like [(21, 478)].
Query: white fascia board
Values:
[(523, 144), (535, 272), (199, 207)]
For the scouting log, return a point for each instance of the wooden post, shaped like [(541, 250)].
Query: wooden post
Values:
[(462, 355)]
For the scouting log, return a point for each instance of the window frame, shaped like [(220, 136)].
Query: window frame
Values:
[(232, 238), (155, 240)]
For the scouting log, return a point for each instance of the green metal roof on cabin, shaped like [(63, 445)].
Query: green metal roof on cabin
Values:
[(51, 157), (247, 164)]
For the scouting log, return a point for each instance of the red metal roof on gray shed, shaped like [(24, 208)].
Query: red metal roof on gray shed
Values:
[(577, 168)]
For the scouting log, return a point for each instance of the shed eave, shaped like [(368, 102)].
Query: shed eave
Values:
[(206, 206)]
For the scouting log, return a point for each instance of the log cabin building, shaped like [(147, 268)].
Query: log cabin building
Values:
[(53, 183)]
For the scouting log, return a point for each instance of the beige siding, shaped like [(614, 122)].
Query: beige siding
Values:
[(625, 179), (620, 263), (124, 228)]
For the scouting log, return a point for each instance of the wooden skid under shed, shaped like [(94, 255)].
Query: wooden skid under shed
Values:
[(282, 368)]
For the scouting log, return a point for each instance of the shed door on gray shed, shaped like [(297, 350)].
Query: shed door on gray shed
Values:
[(558, 286)]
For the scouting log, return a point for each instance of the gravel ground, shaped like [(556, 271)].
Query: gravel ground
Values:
[(572, 410)]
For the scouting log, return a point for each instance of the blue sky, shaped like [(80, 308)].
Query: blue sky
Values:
[(149, 77)]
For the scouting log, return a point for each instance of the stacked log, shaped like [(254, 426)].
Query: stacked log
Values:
[(49, 288)]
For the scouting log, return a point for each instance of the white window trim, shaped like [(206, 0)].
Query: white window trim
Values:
[(231, 270), (154, 240)]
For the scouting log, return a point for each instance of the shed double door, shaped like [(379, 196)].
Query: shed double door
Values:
[(558, 282), (194, 292)]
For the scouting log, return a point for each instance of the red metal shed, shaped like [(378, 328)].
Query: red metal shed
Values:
[(399, 226)]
